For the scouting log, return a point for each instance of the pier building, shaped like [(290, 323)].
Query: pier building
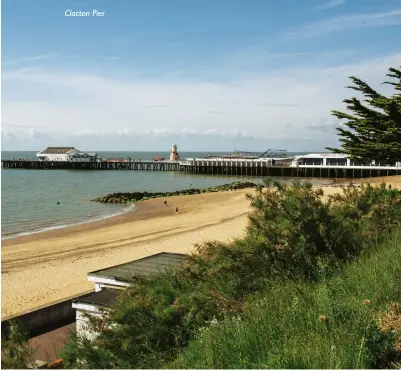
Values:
[(338, 160), (65, 154)]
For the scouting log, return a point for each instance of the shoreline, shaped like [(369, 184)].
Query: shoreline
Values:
[(134, 206), (41, 268), (127, 209), (141, 210), (52, 231)]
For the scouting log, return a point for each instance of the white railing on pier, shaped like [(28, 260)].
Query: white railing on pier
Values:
[(350, 167)]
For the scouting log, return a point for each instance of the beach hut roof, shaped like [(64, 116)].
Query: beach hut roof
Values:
[(105, 298), (147, 266)]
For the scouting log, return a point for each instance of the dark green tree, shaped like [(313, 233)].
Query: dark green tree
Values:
[(374, 129)]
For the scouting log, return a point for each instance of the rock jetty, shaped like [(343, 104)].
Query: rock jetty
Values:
[(139, 196)]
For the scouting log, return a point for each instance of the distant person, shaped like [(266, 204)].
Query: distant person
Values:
[(165, 203), (176, 209), (389, 186)]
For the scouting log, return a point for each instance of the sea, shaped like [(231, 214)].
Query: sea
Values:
[(34, 201)]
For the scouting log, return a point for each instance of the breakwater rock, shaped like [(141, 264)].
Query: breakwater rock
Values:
[(138, 196)]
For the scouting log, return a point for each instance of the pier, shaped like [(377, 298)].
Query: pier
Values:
[(280, 167), (277, 167), (135, 165)]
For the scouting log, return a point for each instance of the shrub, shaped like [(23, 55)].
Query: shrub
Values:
[(16, 352)]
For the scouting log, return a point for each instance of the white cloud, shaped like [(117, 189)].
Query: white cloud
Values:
[(330, 4), (162, 132), (28, 59), (96, 111)]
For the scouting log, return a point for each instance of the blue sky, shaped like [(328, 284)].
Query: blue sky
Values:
[(206, 75)]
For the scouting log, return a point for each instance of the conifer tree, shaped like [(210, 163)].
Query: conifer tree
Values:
[(374, 129)]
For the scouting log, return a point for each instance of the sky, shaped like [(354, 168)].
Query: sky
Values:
[(207, 75)]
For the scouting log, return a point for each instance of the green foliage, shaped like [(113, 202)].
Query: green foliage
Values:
[(295, 232), (303, 325), (372, 211), (374, 129), (295, 239), (80, 353), (15, 350)]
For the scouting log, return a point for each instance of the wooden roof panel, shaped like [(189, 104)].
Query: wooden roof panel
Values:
[(58, 150), (105, 297), (147, 266)]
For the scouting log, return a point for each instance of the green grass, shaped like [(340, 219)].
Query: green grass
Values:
[(280, 328)]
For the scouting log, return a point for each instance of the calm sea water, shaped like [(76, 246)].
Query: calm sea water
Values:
[(29, 196)]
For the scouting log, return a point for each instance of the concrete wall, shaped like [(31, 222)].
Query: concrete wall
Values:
[(44, 319)]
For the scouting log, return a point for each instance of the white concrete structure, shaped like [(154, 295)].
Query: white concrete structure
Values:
[(66, 154), (92, 305), (82, 319)]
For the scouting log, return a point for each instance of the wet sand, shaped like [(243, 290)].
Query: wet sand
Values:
[(43, 268), (394, 181)]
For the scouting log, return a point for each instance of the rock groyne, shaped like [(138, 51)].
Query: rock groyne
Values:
[(139, 196)]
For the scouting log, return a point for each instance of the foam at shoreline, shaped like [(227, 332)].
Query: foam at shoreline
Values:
[(58, 227)]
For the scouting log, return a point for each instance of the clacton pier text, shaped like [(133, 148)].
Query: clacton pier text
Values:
[(93, 13)]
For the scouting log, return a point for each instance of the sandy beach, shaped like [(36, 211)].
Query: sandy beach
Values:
[(43, 268)]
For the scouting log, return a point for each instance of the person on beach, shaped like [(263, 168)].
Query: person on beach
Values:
[(176, 209), (165, 203)]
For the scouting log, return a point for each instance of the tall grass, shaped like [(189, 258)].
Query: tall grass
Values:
[(331, 324)]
